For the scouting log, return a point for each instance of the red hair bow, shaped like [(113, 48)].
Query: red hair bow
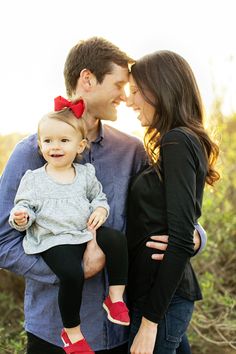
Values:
[(76, 107)]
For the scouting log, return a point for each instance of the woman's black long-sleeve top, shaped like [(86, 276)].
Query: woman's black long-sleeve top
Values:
[(167, 206)]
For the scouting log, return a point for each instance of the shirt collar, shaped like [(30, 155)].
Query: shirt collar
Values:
[(100, 135)]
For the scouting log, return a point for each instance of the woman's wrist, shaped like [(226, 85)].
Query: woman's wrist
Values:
[(149, 324)]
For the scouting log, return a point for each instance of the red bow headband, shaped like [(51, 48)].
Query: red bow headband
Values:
[(77, 107)]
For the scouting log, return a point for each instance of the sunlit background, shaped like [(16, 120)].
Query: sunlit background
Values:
[(37, 35)]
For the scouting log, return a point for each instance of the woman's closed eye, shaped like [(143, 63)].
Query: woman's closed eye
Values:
[(133, 89)]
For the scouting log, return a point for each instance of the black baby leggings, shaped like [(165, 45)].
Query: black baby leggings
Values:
[(66, 262)]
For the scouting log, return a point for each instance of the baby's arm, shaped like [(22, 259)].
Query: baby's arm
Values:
[(97, 218), (22, 215), (21, 218), (97, 198)]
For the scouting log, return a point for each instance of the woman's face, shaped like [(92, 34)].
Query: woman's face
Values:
[(136, 100)]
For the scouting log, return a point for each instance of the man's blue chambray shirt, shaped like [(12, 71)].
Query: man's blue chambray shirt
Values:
[(116, 157)]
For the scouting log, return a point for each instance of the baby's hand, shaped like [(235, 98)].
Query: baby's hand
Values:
[(20, 217), (97, 218)]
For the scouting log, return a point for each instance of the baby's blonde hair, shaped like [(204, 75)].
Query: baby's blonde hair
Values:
[(67, 116)]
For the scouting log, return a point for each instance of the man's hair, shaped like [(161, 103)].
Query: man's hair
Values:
[(95, 54)]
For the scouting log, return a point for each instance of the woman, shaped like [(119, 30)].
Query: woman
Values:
[(166, 199)]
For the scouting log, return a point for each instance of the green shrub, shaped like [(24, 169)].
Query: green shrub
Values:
[(214, 321)]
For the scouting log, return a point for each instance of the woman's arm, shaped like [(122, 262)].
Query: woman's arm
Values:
[(179, 185)]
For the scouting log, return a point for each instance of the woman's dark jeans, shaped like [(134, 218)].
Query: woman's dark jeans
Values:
[(171, 330)]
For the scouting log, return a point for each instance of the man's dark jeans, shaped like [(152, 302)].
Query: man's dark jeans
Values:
[(39, 346)]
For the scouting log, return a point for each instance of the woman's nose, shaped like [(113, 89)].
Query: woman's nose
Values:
[(129, 101)]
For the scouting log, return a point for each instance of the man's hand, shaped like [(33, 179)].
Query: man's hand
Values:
[(160, 243), (97, 218), (196, 240), (94, 258), (20, 217)]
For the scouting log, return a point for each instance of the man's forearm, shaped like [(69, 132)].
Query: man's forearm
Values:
[(14, 259), (93, 260)]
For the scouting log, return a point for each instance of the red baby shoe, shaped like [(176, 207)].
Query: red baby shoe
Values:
[(80, 347), (117, 312)]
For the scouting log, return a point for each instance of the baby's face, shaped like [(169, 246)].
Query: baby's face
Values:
[(59, 142)]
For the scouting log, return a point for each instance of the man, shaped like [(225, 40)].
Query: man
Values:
[(98, 71)]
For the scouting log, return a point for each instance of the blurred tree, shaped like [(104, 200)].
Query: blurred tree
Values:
[(7, 143), (213, 327)]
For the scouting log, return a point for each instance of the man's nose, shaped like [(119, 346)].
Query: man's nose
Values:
[(123, 95)]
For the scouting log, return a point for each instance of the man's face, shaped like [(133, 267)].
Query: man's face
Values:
[(105, 97)]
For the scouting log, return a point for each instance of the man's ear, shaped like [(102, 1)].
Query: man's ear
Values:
[(87, 80)]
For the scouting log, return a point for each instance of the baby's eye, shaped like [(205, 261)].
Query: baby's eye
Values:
[(64, 140), (47, 141)]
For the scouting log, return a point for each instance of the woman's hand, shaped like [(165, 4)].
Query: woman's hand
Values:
[(145, 339)]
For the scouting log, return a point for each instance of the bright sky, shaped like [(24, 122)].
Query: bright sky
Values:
[(36, 37)]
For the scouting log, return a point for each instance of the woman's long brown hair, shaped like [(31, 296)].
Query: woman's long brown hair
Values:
[(167, 82)]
